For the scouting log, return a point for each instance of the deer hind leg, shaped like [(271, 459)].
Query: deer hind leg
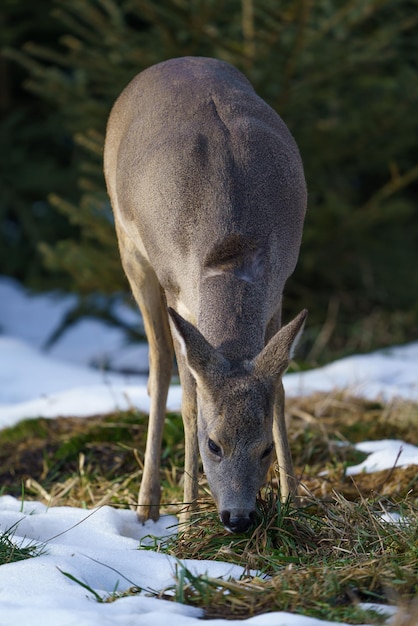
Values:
[(288, 482), (151, 301)]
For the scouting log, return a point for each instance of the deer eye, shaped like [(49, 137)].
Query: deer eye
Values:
[(214, 448), (267, 451)]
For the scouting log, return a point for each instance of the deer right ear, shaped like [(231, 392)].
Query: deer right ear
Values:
[(202, 358), (275, 358)]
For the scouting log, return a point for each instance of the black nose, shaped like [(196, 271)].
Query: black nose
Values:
[(237, 523)]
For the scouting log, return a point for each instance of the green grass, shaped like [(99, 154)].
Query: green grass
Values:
[(320, 558), (85, 462), (12, 551)]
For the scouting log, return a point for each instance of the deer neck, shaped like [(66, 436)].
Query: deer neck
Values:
[(232, 316)]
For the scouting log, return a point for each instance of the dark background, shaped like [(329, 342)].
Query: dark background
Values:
[(343, 75)]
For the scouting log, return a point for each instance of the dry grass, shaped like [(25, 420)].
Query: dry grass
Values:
[(319, 558)]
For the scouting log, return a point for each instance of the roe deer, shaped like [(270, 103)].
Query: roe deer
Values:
[(209, 197)]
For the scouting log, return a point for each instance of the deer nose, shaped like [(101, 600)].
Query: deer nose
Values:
[(237, 523)]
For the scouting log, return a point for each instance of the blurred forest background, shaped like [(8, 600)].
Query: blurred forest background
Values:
[(342, 74)]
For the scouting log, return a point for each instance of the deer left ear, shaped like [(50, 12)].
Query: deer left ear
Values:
[(203, 359), (274, 359)]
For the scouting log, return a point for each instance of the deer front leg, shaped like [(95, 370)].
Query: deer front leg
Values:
[(159, 379), (288, 482), (160, 369), (152, 304), (153, 308)]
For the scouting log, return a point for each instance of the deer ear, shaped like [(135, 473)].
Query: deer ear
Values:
[(274, 359), (202, 358)]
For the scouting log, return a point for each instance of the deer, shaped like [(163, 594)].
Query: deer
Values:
[(209, 197)]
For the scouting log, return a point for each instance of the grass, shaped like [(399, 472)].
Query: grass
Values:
[(85, 462), (320, 558), (12, 551)]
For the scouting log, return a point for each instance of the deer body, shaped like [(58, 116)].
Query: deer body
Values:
[(208, 193)]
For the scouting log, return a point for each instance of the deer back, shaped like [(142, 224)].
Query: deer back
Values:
[(207, 180)]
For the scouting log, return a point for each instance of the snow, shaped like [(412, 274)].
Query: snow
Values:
[(34, 384), (383, 455), (35, 318), (386, 374), (100, 547)]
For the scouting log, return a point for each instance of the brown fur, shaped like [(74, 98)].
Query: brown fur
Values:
[(209, 198)]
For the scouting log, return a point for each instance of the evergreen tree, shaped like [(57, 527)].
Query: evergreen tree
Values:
[(344, 78), (34, 155)]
